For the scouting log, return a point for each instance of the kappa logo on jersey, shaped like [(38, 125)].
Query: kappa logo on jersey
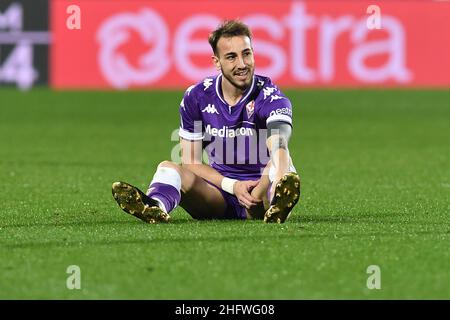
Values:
[(210, 108), (275, 97), (207, 83), (268, 91), (250, 108)]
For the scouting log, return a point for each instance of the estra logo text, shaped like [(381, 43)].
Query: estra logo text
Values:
[(285, 111), (176, 50), (163, 44)]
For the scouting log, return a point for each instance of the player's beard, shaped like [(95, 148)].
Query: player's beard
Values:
[(242, 87)]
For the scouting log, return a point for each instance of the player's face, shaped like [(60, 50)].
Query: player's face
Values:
[(235, 60)]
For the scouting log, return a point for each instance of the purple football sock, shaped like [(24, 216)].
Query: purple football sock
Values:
[(165, 194)]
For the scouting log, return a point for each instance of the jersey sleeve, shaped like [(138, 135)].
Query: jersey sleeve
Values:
[(190, 117), (275, 106)]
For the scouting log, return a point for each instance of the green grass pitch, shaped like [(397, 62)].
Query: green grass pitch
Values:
[(375, 191)]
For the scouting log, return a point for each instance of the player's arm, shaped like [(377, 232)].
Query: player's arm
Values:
[(191, 158), (277, 143), (191, 139)]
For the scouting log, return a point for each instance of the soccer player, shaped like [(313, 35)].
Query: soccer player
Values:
[(243, 122)]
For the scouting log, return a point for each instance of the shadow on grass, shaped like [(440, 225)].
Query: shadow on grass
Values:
[(130, 221), (183, 218), (297, 227), (286, 236), (177, 219), (150, 241), (386, 218)]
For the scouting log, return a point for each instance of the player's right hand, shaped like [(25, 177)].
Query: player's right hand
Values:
[(242, 191)]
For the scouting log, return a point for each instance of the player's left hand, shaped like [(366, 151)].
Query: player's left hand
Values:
[(242, 191)]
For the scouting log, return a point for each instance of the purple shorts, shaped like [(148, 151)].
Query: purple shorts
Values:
[(233, 209)]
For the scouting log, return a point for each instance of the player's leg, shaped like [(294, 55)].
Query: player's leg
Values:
[(171, 185), (285, 196), (278, 203), (199, 198), (260, 192), (202, 200)]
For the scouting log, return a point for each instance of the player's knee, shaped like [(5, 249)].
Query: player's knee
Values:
[(186, 176), (168, 164)]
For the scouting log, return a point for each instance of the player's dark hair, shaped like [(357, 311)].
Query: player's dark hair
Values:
[(229, 28)]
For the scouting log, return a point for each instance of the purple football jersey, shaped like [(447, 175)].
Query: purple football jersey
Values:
[(234, 137)]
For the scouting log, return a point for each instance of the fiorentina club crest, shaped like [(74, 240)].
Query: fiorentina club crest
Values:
[(250, 108)]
